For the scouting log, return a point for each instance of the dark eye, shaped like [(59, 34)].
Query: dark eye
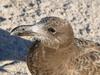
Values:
[(23, 29), (51, 30)]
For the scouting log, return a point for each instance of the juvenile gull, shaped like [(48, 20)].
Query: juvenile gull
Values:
[(55, 51)]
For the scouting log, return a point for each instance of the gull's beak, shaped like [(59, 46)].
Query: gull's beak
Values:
[(26, 30)]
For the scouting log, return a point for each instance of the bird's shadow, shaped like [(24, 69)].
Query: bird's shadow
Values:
[(12, 48)]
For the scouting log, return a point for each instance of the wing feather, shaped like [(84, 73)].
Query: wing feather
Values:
[(88, 62)]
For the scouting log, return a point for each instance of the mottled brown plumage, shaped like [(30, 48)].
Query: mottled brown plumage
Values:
[(55, 51)]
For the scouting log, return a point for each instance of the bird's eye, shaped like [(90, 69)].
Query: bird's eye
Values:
[(23, 29), (51, 30)]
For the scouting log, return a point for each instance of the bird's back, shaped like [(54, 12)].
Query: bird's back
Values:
[(88, 61), (86, 44)]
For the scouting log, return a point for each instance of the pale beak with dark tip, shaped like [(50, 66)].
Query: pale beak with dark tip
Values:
[(25, 30)]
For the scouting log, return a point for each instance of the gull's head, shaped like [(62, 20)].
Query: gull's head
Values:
[(53, 32)]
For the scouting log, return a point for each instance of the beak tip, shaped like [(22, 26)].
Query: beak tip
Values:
[(12, 33)]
